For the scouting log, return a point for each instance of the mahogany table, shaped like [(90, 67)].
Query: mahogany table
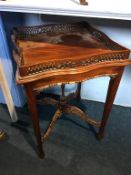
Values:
[(58, 54)]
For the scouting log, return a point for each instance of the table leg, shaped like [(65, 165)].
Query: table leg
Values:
[(112, 89), (31, 96)]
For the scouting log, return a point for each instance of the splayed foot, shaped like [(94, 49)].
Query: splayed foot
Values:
[(3, 135)]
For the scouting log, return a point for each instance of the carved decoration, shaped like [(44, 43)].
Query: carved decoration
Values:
[(34, 33), (64, 107), (72, 64), (66, 53), (39, 33)]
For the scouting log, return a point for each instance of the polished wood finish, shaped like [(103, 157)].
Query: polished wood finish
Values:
[(66, 53), (31, 96), (112, 89)]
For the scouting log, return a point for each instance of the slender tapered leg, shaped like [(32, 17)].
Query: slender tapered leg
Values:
[(34, 116), (63, 89), (112, 89), (78, 91)]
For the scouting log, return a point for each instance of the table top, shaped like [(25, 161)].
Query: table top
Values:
[(112, 9), (65, 49)]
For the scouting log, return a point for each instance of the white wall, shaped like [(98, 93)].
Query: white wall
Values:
[(120, 31), (95, 89)]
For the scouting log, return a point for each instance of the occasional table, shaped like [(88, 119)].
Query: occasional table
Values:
[(58, 54)]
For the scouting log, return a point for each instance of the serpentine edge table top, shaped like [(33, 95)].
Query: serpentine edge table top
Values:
[(117, 9)]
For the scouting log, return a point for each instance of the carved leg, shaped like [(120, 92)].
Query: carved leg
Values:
[(83, 2), (50, 128), (78, 91), (78, 112), (34, 116), (63, 89), (112, 89)]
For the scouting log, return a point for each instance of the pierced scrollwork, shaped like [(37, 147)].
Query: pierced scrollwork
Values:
[(34, 33), (31, 32), (72, 64), (38, 33)]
